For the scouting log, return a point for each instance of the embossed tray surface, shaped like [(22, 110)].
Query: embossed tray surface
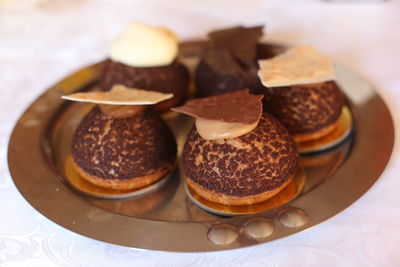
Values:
[(166, 219)]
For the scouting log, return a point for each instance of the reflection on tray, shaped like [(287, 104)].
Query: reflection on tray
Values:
[(127, 202), (321, 166)]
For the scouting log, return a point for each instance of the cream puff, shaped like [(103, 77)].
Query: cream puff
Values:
[(122, 143), (301, 93), (236, 154), (146, 57)]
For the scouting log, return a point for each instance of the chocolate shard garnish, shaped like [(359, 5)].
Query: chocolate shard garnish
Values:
[(298, 65), (237, 107), (240, 41), (221, 61), (120, 95)]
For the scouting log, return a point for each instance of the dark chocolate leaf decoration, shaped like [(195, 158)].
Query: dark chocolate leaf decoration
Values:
[(221, 61), (236, 107), (240, 41)]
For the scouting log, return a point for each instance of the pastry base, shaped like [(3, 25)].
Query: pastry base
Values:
[(300, 138), (234, 200), (333, 135), (84, 186), (125, 184), (287, 193)]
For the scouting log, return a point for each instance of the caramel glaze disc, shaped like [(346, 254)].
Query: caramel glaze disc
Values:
[(244, 170), (173, 79), (305, 110), (126, 153)]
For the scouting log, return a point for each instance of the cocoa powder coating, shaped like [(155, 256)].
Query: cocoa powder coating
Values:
[(111, 148), (251, 164)]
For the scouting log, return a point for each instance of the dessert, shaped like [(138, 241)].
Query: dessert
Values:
[(301, 93), (236, 154), (145, 57), (229, 62), (122, 143)]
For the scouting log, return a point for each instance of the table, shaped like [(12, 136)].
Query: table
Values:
[(41, 41)]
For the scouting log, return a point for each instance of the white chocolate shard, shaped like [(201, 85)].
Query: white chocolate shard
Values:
[(120, 95), (299, 65)]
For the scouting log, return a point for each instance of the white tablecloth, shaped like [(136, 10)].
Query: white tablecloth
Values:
[(41, 41)]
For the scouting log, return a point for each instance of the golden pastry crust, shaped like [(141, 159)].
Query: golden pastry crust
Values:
[(127, 183), (299, 138), (235, 200)]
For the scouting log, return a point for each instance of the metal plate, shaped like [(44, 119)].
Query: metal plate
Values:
[(166, 219)]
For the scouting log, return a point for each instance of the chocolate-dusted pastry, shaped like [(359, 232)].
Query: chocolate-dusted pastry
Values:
[(307, 109), (229, 62), (236, 167), (173, 79), (300, 92), (145, 57), (242, 170), (117, 146), (126, 153)]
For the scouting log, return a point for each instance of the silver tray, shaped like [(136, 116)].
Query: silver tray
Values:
[(167, 219)]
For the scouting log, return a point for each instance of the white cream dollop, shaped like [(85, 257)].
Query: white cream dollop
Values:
[(144, 46)]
